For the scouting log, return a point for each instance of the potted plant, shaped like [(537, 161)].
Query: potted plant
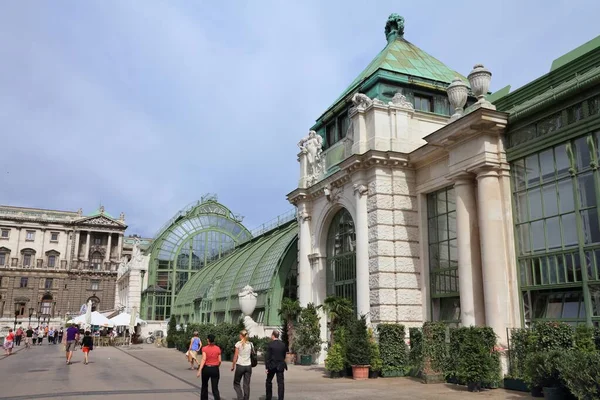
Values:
[(360, 355), (542, 370), (309, 334), (375, 361), (476, 362), (334, 363), (289, 311), (339, 312)]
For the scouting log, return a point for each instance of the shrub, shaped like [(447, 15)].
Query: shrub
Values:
[(434, 348), (340, 313), (340, 337), (360, 353), (580, 373), (472, 355), (542, 368), (308, 339), (597, 338), (584, 339), (551, 335), (171, 332), (335, 359), (392, 347), (416, 349), (375, 362), (518, 350), (260, 343), (289, 312)]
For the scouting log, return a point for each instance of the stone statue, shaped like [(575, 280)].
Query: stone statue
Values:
[(122, 217), (400, 100), (122, 266), (361, 100), (394, 25), (137, 251), (80, 212), (312, 146), (247, 299)]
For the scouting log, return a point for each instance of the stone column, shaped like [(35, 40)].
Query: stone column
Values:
[(304, 249), (86, 256), (76, 247), (119, 246), (361, 225), (108, 247), (472, 311), (491, 229)]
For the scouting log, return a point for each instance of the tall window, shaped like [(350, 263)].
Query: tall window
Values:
[(48, 283), (5, 233), (30, 235), (95, 284), (46, 305), (341, 257), (97, 241), (558, 231), (24, 281), (443, 255), (27, 260), (2, 259), (51, 261), (96, 261), (337, 129), (423, 103)]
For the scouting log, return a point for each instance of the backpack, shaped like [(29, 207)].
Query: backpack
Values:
[(253, 356)]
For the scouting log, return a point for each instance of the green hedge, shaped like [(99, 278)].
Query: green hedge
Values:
[(472, 356), (434, 348), (416, 350), (226, 336), (392, 347)]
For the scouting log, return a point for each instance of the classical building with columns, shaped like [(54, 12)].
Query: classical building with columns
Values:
[(52, 262), (409, 184)]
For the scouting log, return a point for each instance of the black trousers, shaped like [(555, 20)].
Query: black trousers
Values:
[(18, 340), (212, 374), (280, 384)]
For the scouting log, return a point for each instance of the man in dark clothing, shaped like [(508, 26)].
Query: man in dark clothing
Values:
[(28, 337), (275, 365)]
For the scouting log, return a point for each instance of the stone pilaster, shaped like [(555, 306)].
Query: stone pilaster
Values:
[(86, 256), (363, 301), (304, 250), (108, 248)]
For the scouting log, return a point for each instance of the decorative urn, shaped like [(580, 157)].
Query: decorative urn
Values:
[(480, 79), (457, 94), (247, 299)]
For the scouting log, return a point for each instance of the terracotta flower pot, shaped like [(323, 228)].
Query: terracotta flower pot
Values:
[(290, 358), (360, 372)]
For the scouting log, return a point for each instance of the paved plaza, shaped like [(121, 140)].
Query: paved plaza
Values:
[(148, 373)]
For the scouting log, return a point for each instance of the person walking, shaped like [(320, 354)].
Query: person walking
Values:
[(28, 337), (36, 333), (195, 346), (242, 363), (209, 369), (51, 336), (275, 366), (87, 345), (60, 335), (72, 337), (18, 336), (9, 342)]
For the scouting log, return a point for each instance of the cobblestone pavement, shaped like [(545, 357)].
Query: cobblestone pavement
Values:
[(146, 372)]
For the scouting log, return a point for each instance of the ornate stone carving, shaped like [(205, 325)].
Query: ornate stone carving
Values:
[(394, 26), (312, 146), (247, 299), (361, 100), (79, 212), (360, 189), (303, 216), (332, 193), (480, 79), (101, 209), (378, 102), (457, 94), (98, 249), (122, 217), (400, 100), (100, 221)]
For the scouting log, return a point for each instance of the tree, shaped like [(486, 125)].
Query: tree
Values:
[(339, 312), (289, 311), (309, 330), (172, 331)]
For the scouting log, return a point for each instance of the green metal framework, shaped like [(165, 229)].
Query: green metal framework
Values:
[(443, 255), (267, 263), (341, 257), (200, 233)]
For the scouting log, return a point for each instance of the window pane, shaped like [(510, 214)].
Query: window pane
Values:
[(582, 153), (569, 229), (518, 172), (547, 165), (451, 197), (550, 200), (595, 295), (444, 262), (591, 229), (553, 233), (554, 308), (453, 253), (452, 225), (521, 204), (571, 306), (533, 170), (442, 227), (565, 194), (562, 160), (535, 204), (523, 236), (433, 232), (441, 202), (587, 194), (537, 231)]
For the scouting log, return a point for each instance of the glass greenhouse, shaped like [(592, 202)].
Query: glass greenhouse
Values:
[(202, 232), (268, 263)]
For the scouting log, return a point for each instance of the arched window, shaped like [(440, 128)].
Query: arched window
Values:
[(46, 305), (341, 257), (96, 260), (52, 260)]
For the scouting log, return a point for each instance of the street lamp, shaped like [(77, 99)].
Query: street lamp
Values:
[(30, 314), (39, 315), (17, 311)]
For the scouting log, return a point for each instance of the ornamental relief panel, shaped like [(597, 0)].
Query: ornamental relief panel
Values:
[(100, 221)]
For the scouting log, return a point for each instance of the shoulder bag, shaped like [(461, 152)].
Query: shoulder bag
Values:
[(253, 356)]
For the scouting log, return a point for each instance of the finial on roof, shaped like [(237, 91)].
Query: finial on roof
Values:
[(101, 209), (394, 27)]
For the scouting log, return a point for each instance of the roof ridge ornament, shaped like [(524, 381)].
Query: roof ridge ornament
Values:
[(394, 27)]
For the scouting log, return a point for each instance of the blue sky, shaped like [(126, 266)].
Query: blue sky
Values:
[(144, 106)]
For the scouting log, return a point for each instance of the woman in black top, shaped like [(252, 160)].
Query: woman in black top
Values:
[(87, 344)]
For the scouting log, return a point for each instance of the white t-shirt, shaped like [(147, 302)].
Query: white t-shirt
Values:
[(244, 352)]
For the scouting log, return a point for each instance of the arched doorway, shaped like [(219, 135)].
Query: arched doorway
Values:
[(341, 257)]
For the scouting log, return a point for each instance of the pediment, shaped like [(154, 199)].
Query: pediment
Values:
[(100, 220)]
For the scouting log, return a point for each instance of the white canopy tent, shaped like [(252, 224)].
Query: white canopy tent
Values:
[(124, 319), (96, 319)]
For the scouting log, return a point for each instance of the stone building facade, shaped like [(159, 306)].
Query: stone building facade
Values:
[(52, 262)]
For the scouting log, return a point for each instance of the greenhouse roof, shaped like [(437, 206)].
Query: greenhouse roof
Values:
[(254, 263)]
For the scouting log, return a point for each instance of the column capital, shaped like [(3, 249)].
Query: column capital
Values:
[(303, 216), (462, 178), (360, 189), (487, 172)]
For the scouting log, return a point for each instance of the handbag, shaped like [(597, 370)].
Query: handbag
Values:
[(253, 356)]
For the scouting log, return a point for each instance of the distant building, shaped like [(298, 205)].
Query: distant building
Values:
[(131, 275), (128, 243), (52, 262)]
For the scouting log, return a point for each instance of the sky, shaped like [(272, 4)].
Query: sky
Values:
[(144, 106)]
